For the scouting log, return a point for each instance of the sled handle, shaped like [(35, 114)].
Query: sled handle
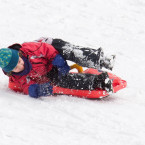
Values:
[(78, 67)]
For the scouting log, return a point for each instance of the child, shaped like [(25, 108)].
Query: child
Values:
[(38, 66)]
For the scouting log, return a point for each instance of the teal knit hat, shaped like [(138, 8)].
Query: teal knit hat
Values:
[(8, 59)]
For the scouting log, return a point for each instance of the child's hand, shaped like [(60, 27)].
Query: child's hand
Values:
[(62, 71), (61, 64), (38, 90)]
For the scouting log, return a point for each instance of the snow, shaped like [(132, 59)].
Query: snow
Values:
[(118, 27)]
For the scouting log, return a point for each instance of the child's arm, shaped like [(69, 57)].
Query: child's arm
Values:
[(55, 58), (34, 90), (39, 50)]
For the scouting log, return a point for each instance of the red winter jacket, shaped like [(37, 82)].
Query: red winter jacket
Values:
[(40, 55)]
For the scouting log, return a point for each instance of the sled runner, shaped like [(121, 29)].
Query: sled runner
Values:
[(118, 84)]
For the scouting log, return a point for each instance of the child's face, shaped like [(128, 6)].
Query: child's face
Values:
[(20, 66)]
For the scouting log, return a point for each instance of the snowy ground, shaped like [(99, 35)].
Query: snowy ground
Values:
[(118, 27)]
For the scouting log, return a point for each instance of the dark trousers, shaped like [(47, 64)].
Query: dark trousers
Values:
[(78, 81), (83, 56)]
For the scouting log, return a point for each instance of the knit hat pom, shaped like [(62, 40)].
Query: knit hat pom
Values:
[(8, 59)]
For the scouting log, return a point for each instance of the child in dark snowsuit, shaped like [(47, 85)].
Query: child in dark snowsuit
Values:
[(38, 66)]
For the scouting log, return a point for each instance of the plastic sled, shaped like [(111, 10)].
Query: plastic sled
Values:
[(118, 84)]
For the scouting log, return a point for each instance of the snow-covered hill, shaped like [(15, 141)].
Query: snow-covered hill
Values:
[(118, 27)]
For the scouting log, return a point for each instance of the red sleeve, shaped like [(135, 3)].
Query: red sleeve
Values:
[(39, 49), (26, 87), (20, 85), (48, 51)]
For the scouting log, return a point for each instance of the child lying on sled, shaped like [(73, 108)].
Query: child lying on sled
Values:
[(38, 66)]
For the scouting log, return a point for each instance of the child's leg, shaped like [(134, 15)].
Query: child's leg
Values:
[(82, 81), (84, 56)]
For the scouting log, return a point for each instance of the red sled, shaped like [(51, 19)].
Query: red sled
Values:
[(118, 84)]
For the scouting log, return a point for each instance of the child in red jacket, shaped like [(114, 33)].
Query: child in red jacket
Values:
[(38, 66)]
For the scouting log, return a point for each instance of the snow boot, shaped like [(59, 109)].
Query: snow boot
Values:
[(108, 86), (104, 82), (108, 62)]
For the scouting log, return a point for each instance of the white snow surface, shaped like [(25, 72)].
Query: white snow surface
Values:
[(116, 26)]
